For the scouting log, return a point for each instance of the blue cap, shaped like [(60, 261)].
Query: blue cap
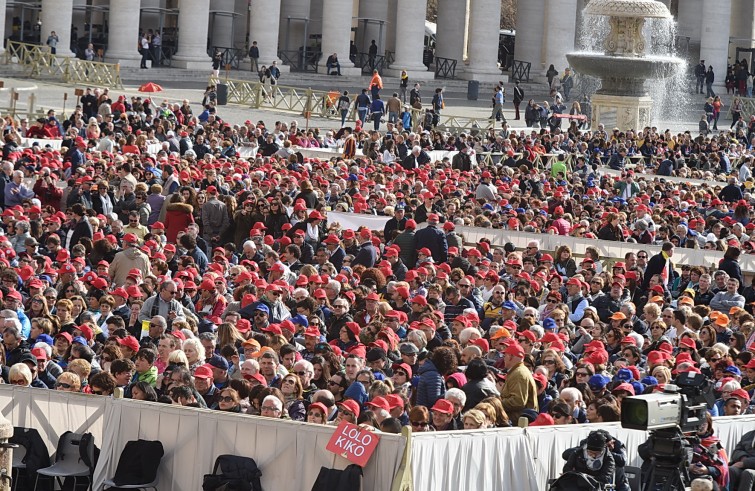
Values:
[(353, 177), (508, 304), (549, 324), (730, 369), (300, 319), (218, 362), (80, 340), (261, 306), (624, 374), (649, 381), (487, 206), (45, 338), (638, 388), (598, 381)]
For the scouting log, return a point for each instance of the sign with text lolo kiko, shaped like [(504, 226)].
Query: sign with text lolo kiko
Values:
[(353, 443)]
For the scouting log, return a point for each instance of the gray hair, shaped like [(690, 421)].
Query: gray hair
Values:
[(336, 285), (305, 365), (159, 319), (274, 399), (457, 394)]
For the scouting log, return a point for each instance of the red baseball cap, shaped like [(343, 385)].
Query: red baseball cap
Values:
[(350, 405), (443, 406)]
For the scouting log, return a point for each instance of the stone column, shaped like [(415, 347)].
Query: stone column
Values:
[(193, 19), (293, 32), (714, 41), (264, 21), (390, 29), (742, 25), (484, 22), (336, 35), (562, 17), (2, 26), (529, 33), (57, 16), (375, 10), (222, 23), (690, 23), (451, 30), (410, 23), (123, 37)]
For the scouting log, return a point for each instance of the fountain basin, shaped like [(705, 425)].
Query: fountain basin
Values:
[(624, 75), (628, 8)]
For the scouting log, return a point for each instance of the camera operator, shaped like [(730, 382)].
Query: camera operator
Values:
[(594, 459), (618, 450), (709, 457)]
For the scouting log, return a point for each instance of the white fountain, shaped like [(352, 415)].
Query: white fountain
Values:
[(624, 66)]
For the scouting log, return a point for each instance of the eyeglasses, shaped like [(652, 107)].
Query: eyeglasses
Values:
[(259, 314), (464, 286), (549, 362), (516, 266), (402, 373), (301, 374), (552, 300), (226, 399), (420, 424), (347, 414), (715, 360), (98, 392), (169, 292), (270, 408), (18, 382), (63, 385), (333, 383), (583, 374), (642, 257), (339, 306)]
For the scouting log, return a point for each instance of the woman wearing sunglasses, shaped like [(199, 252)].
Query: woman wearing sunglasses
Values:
[(229, 401), (317, 414)]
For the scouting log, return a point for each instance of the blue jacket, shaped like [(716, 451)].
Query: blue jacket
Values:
[(431, 385), (357, 392)]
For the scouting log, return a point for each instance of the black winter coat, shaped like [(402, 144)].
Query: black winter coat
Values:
[(578, 463)]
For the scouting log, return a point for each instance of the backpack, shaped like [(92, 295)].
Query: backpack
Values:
[(348, 479), (237, 474), (343, 104)]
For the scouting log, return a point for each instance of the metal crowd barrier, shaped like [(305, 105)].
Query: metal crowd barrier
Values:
[(445, 67), (39, 61)]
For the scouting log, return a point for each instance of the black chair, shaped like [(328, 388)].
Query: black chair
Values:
[(74, 459), (30, 455), (236, 472), (137, 466), (634, 476)]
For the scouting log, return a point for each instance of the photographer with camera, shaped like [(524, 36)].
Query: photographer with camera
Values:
[(594, 459)]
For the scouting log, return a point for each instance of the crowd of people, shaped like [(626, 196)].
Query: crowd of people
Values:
[(192, 276)]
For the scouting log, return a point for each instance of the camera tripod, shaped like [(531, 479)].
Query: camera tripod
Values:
[(670, 456)]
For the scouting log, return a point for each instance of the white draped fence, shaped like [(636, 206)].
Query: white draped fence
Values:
[(290, 454)]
